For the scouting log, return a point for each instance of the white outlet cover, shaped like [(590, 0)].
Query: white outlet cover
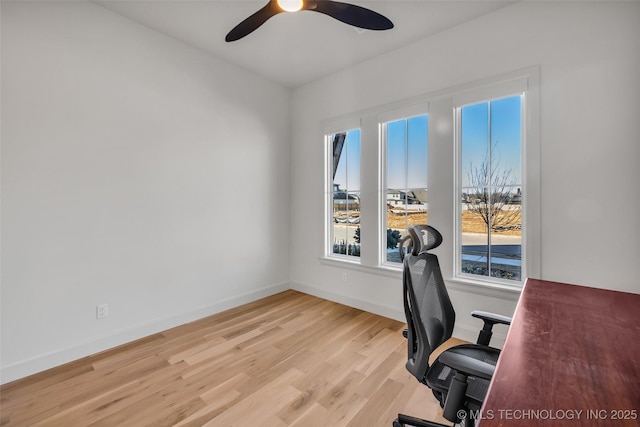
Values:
[(102, 311)]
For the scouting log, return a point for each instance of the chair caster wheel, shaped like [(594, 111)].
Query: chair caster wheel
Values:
[(397, 423)]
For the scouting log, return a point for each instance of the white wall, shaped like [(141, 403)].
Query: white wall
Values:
[(125, 158), (125, 155), (589, 57)]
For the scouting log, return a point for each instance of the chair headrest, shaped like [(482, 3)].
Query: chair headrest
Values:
[(424, 238)]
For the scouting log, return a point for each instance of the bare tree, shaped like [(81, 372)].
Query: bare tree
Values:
[(493, 193)]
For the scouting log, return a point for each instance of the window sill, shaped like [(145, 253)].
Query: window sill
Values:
[(388, 271), (480, 287), (495, 290)]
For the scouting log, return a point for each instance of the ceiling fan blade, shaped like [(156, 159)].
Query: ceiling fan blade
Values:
[(353, 15), (250, 24)]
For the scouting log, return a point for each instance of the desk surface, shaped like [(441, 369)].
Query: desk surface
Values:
[(571, 358)]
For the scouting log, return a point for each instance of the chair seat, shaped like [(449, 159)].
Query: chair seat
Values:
[(439, 375)]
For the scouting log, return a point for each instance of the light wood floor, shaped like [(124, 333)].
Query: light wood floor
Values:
[(287, 360)]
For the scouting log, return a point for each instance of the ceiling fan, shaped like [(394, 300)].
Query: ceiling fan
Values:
[(348, 13)]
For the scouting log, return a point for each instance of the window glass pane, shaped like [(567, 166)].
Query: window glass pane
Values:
[(506, 179), (352, 182), (491, 199), (506, 242), (506, 138), (417, 152), (475, 143), (406, 192), (396, 154), (475, 249), (345, 221)]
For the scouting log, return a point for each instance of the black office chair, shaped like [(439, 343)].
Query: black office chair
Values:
[(460, 376)]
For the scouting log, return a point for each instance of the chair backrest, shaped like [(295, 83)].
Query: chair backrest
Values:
[(428, 309)]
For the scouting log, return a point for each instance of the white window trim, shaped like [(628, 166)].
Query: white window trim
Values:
[(338, 126), (524, 82), (486, 95), (442, 180)]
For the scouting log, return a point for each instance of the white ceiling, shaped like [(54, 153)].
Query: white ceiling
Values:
[(295, 48)]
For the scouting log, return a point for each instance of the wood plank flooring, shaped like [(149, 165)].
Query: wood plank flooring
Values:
[(287, 360)]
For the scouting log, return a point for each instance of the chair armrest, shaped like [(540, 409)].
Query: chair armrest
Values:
[(467, 365), (492, 318), (489, 319)]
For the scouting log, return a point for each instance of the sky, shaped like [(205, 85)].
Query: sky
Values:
[(499, 120), (407, 141), (349, 178)]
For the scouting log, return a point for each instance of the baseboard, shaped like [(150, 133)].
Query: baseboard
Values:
[(46, 361), (467, 332), (371, 307)]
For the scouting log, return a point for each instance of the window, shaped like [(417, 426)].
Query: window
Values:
[(345, 195), (405, 201), (466, 160), (491, 191)]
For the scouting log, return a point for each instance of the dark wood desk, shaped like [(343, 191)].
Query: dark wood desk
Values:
[(571, 358)]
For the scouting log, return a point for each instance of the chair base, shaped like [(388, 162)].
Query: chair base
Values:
[(406, 420)]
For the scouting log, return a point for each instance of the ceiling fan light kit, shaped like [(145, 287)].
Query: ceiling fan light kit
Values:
[(350, 14), (290, 5)]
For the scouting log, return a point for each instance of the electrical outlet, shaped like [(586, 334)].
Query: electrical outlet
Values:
[(344, 276), (102, 311)]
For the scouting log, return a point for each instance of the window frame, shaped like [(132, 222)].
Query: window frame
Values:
[(383, 120), (442, 178), (342, 126), (527, 82), (500, 93)]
